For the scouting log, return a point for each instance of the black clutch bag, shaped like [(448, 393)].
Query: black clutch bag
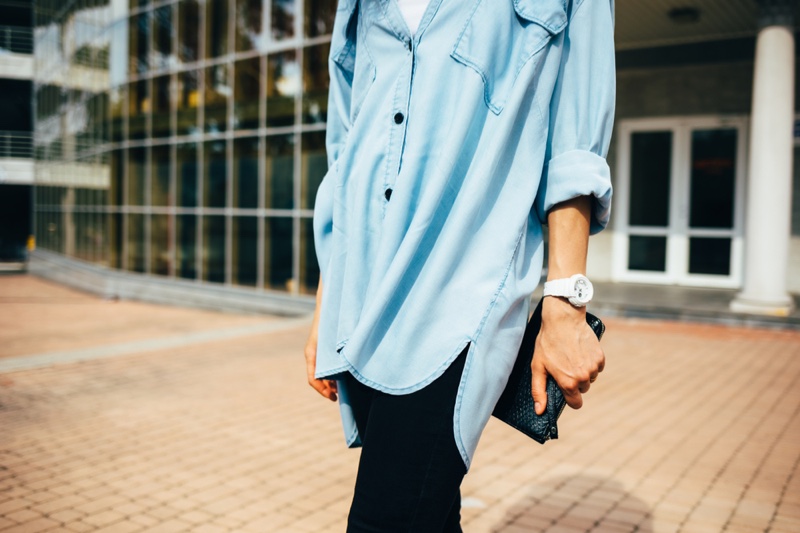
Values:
[(515, 406)]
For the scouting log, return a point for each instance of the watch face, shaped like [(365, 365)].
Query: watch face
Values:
[(583, 291)]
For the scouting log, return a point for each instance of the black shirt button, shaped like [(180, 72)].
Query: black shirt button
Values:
[(388, 194), (398, 118)]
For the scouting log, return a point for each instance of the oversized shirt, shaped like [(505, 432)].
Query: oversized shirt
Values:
[(446, 149)]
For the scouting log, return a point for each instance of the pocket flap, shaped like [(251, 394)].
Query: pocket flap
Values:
[(550, 14)]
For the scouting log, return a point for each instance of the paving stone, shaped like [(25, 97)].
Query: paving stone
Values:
[(225, 435)]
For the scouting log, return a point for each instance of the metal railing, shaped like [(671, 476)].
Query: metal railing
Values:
[(16, 39), (16, 144)]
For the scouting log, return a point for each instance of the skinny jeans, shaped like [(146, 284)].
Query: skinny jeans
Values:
[(410, 469)]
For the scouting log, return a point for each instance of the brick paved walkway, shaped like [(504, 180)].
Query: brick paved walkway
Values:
[(161, 419)]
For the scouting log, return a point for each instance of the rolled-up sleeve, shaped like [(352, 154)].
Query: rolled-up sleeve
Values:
[(338, 124), (582, 114)]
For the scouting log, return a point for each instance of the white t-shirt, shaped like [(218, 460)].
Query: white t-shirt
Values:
[(412, 11)]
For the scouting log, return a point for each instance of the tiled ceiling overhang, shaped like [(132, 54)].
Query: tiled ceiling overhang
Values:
[(648, 23)]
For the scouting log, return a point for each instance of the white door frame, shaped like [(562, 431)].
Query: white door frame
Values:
[(678, 231)]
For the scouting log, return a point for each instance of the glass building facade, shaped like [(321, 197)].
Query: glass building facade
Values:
[(182, 139)]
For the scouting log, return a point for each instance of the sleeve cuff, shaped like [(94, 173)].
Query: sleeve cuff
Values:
[(572, 174)]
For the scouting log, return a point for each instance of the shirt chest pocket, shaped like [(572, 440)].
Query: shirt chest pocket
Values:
[(350, 55), (502, 36)]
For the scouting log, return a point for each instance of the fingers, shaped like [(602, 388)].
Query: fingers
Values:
[(538, 386), (325, 387)]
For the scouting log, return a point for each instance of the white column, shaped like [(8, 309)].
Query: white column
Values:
[(769, 188)]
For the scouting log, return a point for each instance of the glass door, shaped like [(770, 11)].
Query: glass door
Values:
[(679, 202)]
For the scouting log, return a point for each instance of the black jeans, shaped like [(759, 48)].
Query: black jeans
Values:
[(410, 469)]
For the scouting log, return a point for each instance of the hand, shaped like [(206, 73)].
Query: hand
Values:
[(326, 387), (567, 349)]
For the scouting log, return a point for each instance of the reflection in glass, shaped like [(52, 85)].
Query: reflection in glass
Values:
[(159, 176), (283, 15), (250, 18), (116, 107), (114, 239), (162, 108), (313, 166), (137, 159), (188, 28), (217, 92), (245, 251), (214, 173), (245, 172), (651, 157), (186, 183), (186, 246), (116, 177), (709, 255), (283, 86), (139, 107), (213, 252), (139, 36), (713, 179), (163, 32), (309, 268), (216, 28), (135, 261), (188, 102), (647, 253), (160, 257), (319, 17), (315, 83), (247, 74), (278, 253), (279, 172)]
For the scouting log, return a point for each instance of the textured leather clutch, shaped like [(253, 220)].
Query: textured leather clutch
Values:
[(515, 406)]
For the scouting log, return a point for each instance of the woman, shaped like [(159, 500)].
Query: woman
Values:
[(450, 144)]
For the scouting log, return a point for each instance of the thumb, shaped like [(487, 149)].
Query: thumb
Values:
[(538, 386)]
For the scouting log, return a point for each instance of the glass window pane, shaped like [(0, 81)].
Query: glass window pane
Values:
[(116, 177), (217, 92), (216, 28), (647, 253), (245, 173), (135, 243), (314, 165), (188, 28), (160, 175), (160, 257), (139, 35), (713, 180), (115, 240), (709, 255), (186, 184), (214, 173), (137, 159), (319, 17), (250, 18), (279, 172), (163, 32), (309, 268), (214, 249), (245, 251), (315, 83), (651, 158), (247, 83), (188, 102), (283, 87), (278, 253), (116, 119), (162, 106), (186, 246), (139, 107), (283, 15)]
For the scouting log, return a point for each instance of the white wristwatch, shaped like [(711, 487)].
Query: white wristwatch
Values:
[(577, 289)]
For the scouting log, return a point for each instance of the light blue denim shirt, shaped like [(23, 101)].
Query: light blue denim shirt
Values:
[(446, 151)]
